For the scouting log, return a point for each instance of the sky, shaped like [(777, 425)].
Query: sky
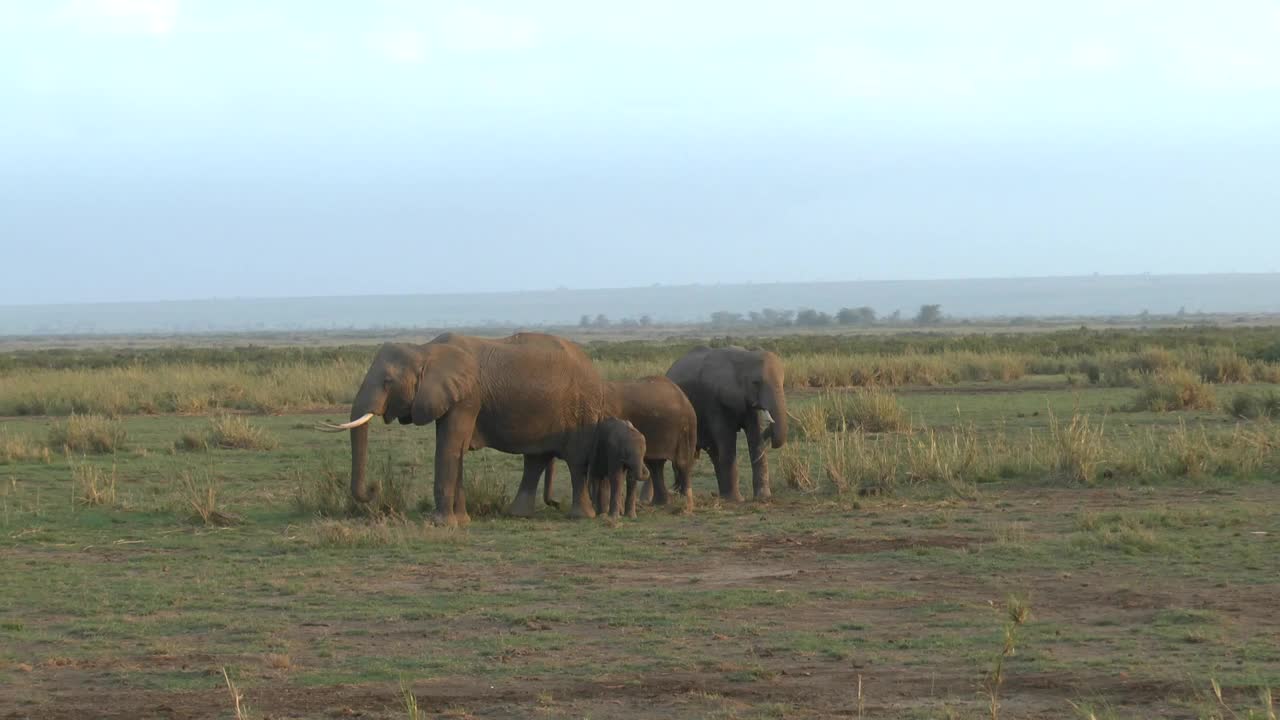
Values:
[(179, 149)]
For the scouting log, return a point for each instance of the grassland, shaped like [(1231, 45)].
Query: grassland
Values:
[(143, 555)]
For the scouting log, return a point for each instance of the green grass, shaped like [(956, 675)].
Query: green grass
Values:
[(1144, 541)]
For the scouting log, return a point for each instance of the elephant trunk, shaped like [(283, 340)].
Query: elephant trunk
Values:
[(774, 400), (368, 400), (359, 453)]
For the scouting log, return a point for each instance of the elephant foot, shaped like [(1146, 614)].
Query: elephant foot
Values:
[(522, 506), (445, 520), (688, 504), (733, 497), (462, 519), (763, 494), (581, 512)]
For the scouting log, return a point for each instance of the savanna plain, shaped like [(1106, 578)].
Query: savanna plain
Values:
[(1069, 524)]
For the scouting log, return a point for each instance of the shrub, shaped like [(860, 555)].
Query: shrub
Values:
[(1176, 389), (234, 432), (88, 434)]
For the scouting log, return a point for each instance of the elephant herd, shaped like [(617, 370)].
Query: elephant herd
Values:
[(541, 397)]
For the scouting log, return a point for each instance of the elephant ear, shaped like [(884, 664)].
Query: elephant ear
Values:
[(725, 377), (448, 375)]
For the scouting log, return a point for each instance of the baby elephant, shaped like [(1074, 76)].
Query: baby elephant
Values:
[(619, 450)]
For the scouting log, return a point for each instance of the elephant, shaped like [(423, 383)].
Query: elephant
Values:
[(619, 451), (528, 394), (659, 409), (732, 389)]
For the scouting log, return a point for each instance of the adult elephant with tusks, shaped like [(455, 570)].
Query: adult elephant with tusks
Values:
[(732, 389), (530, 394)]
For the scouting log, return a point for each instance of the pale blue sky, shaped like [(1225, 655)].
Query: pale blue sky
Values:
[(167, 149)]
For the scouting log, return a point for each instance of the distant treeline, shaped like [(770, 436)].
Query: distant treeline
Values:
[(1254, 343)]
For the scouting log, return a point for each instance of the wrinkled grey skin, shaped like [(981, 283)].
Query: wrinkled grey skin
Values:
[(662, 413), (729, 388), (528, 394), (619, 453)]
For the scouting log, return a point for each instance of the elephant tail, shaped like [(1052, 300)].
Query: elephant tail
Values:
[(546, 486)]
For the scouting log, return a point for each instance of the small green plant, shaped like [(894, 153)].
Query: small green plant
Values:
[(235, 432), (88, 434), (237, 698), (1018, 612), (410, 702)]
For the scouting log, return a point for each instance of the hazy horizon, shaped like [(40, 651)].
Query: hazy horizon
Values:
[(185, 149), (1080, 296)]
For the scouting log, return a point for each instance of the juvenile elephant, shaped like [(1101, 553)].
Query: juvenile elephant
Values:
[(528, 394), (734, 389), (619, 452), (666, 419)]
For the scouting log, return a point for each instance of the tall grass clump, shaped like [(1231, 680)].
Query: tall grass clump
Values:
[(952, 459), (1076, 449), (323, 493), (1223, 365), (865, 409), (793, 466), (21, 448), (198, 494), (1176, 389), (92, 485), (88, 434), (235, 432), (856, 463), (487, 494), (1254, 406)]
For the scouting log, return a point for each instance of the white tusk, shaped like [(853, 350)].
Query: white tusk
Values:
[(768, 419), (330, 427)]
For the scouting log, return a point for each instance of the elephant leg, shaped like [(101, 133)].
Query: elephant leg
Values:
[(460, 501), (581, 507), (604, 495), (631, 497), (615, 494), (595, 490), (656, 485), (724, 457), (453, 434), (759, 462), (684, 484), (524, 503), (549, 478)]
